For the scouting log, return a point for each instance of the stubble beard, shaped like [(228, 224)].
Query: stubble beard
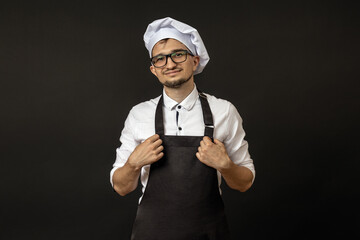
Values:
[(177, 83)]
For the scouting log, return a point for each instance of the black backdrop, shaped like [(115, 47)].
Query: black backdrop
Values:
[(71, 70)]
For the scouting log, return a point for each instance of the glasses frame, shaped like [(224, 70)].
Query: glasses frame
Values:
[(170, 55)]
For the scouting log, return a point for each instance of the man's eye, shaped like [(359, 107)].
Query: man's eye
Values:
[(179, 54), (159, 58)]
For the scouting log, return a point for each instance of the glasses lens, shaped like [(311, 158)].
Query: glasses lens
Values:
[(159, 60), (179, 56)]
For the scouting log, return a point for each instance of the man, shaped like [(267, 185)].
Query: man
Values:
[(180, 144)]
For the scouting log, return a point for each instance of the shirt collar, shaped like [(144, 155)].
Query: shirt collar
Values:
[(188, 103)]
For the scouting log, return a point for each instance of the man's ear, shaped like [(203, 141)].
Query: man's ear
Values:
[(196, 60), (153, 70)]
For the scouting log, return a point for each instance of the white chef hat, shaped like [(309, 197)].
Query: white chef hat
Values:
[(171, 28)]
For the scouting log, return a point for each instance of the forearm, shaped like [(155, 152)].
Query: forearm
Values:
[(125, 179), (237, 177)]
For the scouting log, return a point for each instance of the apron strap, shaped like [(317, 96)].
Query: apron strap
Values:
[(159, 122), (208, 119), (207, 115)]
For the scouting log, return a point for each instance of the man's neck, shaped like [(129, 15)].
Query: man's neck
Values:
[(179, 94)]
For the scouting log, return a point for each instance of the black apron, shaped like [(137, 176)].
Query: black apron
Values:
[(181, 200)]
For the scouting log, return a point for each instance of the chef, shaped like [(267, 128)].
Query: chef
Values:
[(181, 144)]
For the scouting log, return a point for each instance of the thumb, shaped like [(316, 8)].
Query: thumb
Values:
[(217, 142)]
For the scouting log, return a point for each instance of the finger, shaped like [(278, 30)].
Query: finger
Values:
[(202, 143), (198, 156), (159, 149), (153, 138), (207, 140), (157, 143), (160, 155), (199, 149), (217, 142)]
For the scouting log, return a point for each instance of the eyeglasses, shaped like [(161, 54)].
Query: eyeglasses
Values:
[(177, 57)]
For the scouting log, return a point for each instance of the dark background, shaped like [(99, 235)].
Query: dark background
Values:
[(71, 70)]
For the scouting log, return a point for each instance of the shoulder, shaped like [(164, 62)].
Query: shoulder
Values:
[(226, 118), (223, 110), (144, 110), (219, 105)]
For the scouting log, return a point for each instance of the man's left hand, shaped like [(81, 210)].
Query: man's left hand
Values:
[(213, 154)]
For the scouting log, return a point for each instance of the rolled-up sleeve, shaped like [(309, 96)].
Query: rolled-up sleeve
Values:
[(128, 143), (236, 145)]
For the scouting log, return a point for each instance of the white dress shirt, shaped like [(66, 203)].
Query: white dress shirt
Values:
[(140, 125)]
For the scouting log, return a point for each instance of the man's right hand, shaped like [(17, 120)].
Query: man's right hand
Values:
[(125, 178), (148, 152)]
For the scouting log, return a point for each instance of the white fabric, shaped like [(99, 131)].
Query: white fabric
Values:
[(171, 28), (140, 125)]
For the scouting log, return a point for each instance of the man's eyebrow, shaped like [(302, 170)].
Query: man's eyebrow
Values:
[(172, 51)]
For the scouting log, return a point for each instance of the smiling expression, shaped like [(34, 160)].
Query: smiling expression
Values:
[(174, 75)]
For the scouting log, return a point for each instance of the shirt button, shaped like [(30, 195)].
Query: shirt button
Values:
[(179, 107), (180, 128)]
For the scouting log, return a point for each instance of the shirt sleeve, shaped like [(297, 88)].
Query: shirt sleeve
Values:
[(236, 145), (128, 143)]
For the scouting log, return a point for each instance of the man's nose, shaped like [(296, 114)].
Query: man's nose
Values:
[(170, 63)]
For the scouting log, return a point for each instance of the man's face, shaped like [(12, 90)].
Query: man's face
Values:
[(173, 75)]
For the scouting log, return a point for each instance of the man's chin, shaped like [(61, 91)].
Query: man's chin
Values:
[(175, 83)]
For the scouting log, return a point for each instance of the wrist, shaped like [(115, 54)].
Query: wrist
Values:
[(132, 166), (226, 166)]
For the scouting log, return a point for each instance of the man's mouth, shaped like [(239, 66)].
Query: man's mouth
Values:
[(172, 72)]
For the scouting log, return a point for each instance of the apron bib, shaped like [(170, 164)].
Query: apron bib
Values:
[(181, 200)]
